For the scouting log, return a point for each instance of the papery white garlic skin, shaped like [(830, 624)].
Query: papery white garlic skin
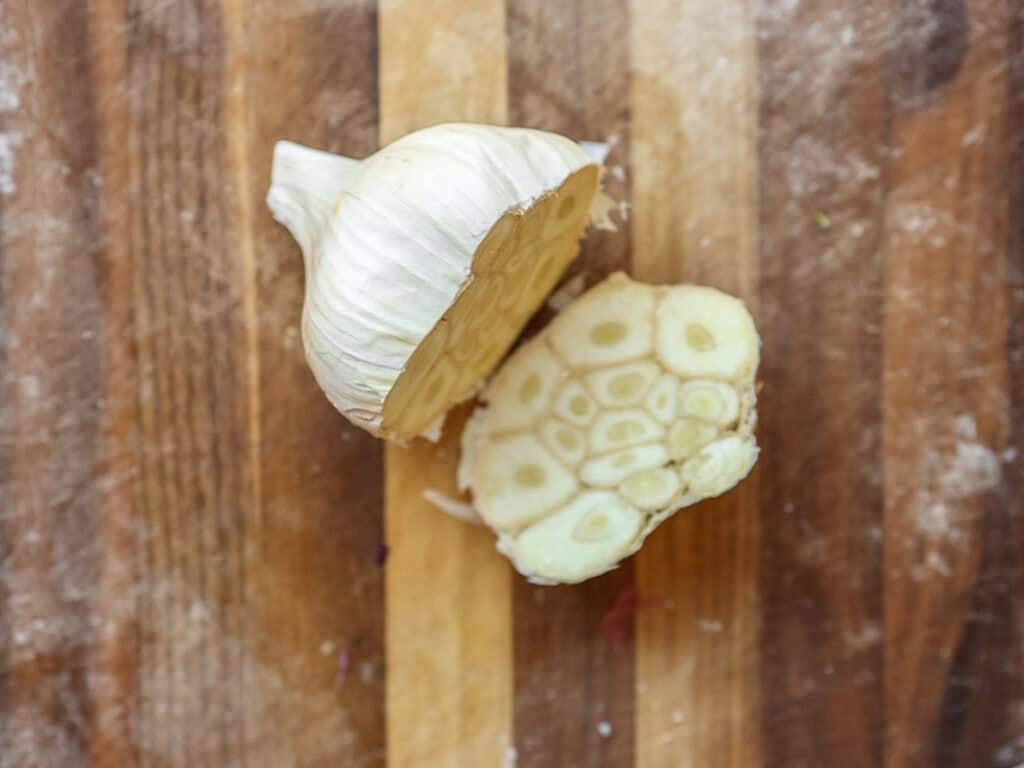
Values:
[(392, 242)]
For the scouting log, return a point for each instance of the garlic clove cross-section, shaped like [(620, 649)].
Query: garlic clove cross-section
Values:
[(636, 401), (425, 260)]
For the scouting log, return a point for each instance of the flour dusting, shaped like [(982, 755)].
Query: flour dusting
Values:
[(974, 468), (12, 79), (8, 143), (966, 427), (864, 636), (963, 470)]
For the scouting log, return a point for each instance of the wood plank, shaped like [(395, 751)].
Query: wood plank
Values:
[(695, 220), (1012, 489), (51, 388), (954, 679), (568, 72), (117, 733), (449, 639), (314, 588), (125, 434), (822, 145), (182, 369)]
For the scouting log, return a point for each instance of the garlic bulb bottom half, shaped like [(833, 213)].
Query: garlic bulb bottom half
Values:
[(516, 266), (636, 401)]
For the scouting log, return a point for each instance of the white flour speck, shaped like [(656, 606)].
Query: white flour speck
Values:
[(710, 625), (30, 386), (12, 78), (1009, 455), (326, 648), (604, 728), (864, 637), (973, 136), (8, 143), (966, 427), (198, 612), (847, 35), (511, 757), (933, 517), (677, 716), (937, 563)]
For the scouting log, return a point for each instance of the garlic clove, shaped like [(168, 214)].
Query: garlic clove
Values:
[(411, 253), (719, 466), (521, 481), (702, 332), (588, 536), (713, 401), (611, 323)]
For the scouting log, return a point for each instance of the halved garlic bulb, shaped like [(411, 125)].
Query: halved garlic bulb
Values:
[(637, 400), (425, 260)]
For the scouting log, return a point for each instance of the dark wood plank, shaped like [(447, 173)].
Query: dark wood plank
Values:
[(315, 588), (954, 679), (822, 151), (52, 528), (574, 686), (176, 374), (1011, 752)]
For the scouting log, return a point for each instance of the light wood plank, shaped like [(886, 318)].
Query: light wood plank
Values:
[(694, 219), (448, 591)]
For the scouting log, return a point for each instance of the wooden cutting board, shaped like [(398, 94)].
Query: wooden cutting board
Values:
[(201, 564)]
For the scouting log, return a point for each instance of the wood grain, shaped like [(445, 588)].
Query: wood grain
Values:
[(568, 72), (51, 389), (449, 640), (695, 220), (823, 147), (176, 374), (315, 591), (953, 684)]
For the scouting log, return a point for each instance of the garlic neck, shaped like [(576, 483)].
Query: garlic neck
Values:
[(304, 188)]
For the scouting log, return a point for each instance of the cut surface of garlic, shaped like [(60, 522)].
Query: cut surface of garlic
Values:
[(637, 400), (425, 260)]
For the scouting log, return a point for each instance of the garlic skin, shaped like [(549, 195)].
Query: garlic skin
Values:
[(391, 243)]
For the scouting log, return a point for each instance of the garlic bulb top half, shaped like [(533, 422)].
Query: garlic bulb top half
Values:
[(424, 260)]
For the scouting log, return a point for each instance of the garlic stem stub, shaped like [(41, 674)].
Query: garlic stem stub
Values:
[(636, 401), (425, 260)]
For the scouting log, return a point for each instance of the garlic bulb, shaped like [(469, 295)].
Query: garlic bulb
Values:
[(424, 261), (636, 401)]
